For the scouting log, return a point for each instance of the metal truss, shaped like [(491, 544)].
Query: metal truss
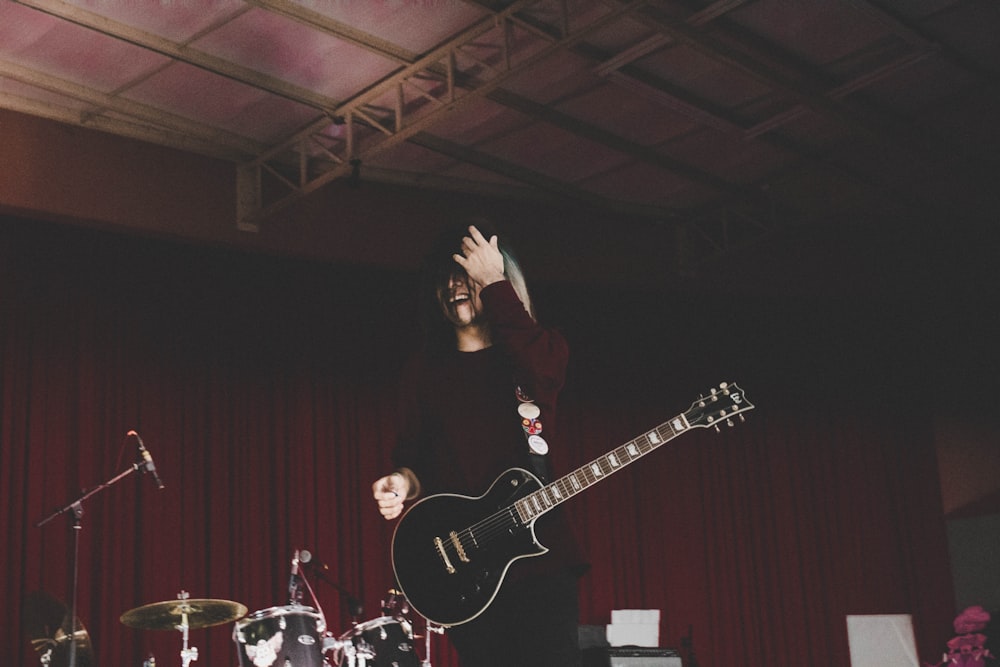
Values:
[(412, 99)]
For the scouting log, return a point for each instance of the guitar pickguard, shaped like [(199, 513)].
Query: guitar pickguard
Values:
[(452, 552)]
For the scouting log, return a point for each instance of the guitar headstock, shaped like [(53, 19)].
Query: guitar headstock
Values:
[(718, 407)]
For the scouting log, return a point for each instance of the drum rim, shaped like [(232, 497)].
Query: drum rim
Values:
[(359, 630), (283, 610), (376, 622)]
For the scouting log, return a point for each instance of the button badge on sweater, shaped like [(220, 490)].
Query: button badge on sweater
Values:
[(538, 445), (529, 422), (528, 410), (531, 426)]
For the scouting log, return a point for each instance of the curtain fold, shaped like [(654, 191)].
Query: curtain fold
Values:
[(264, 388)]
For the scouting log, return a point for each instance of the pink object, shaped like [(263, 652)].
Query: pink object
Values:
[(968, 649), (973, 619)]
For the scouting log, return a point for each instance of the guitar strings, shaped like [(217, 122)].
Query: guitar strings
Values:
[(488, 529), (482, 532)]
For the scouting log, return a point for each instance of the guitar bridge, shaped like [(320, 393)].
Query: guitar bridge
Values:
[(444, 557)]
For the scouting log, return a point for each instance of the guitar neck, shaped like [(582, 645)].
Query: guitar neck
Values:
[(549, 496)]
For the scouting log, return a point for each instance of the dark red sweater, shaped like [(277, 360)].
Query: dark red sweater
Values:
[(459, 422)]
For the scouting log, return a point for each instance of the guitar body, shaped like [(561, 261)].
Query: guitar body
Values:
[(450, 552)]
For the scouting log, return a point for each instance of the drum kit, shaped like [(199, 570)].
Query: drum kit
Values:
[(292, 635)]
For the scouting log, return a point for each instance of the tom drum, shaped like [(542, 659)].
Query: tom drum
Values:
[(385, 641), (288, 636)]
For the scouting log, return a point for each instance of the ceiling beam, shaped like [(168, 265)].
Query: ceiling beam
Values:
[(117, 126), (341, 31), (182, 52), (171, 129), (529, 177), (810, 88), (628, 148)]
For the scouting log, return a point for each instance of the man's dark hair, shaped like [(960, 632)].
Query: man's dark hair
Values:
[(439, 265)]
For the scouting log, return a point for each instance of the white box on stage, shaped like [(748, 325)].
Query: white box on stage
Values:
[(634, 627), (882, 640)]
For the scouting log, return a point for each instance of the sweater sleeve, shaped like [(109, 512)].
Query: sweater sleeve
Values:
[(539, 354)]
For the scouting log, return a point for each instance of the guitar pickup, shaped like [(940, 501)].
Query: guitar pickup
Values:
[(444, 557), (459, 549)]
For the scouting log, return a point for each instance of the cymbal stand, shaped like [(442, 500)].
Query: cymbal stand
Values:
[(77, 508), (429, 628), (187, 654)]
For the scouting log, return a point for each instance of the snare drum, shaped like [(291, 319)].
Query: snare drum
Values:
[(385, 641), (282, 636)]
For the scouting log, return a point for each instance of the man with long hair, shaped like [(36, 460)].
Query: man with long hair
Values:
[(478, 399)]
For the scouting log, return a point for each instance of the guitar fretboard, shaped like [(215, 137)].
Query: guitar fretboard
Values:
[(549, 496)]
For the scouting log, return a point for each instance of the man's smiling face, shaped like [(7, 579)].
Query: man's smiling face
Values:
[(460, 300)]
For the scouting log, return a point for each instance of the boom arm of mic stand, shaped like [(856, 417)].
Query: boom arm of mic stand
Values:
[(75, 505), (353, 604)]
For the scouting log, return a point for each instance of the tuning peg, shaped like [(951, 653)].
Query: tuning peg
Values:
[(742, 419), (717, 429), (729, 422)]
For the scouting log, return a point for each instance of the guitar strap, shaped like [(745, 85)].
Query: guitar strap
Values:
[(531, 423)]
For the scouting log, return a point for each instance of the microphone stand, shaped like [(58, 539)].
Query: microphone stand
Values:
[(354, 606), (77, 508)]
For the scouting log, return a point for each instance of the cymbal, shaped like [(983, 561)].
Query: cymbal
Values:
[(168, 615), (49, 628)]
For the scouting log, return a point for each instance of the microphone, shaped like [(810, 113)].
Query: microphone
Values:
[(306, 558), (147, 459), (294, 594)]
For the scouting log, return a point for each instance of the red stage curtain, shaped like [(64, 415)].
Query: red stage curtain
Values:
[(263, 388)]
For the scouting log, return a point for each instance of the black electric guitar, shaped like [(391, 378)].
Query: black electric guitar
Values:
[(450, 552)]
